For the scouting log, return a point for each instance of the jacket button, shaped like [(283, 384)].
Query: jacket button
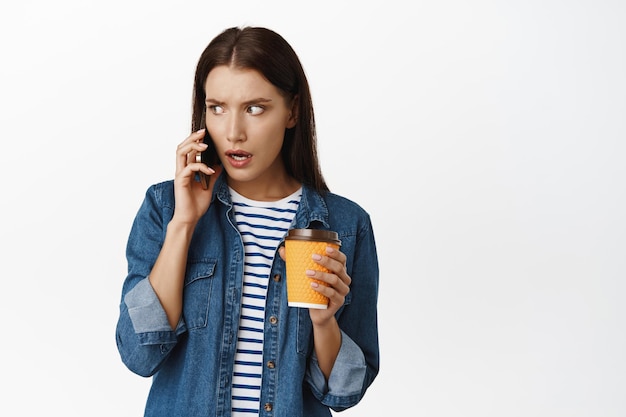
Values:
[(273, 320), (268, 407), (271, 364), (277, 277)]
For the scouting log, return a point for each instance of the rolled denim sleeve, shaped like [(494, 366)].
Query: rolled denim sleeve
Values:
[(145, 310), (346, 377), (145, 337)]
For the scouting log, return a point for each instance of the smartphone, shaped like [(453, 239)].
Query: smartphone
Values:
[(209, 158)]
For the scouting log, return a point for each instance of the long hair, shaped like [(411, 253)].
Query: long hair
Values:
[(267, 52)]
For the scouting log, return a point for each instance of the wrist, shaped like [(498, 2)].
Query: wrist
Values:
[(329, 324), (179, 226)]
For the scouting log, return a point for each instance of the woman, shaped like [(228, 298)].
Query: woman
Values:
[(204, 308)]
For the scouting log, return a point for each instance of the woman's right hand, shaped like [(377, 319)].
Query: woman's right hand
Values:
[(192, 200)]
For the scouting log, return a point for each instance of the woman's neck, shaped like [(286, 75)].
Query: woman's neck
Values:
[(274, 190)]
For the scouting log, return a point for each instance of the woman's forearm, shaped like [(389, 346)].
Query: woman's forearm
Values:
[(168, 274), (327, 340)]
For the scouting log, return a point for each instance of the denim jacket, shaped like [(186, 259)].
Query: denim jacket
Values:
[(191, 366)]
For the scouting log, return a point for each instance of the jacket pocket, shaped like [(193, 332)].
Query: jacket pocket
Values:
[(197, 293)]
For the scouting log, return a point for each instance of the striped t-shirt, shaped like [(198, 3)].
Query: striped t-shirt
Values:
[(262, 224)]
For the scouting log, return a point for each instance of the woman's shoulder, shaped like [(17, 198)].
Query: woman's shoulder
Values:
[(162, 192), (340, 200), (163, 185), (345, 209)]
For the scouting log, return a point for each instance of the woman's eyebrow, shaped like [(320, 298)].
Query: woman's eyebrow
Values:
[(213, 101), (247, 102), (258, 100)]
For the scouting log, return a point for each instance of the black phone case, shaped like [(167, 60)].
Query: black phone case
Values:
[(209, 157)]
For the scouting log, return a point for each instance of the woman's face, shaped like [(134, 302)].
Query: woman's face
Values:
[(247, 116)]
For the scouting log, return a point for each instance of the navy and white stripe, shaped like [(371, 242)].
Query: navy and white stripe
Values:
[(262, 225)]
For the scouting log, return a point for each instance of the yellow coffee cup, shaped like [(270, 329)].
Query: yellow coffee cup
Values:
[(300, 245)]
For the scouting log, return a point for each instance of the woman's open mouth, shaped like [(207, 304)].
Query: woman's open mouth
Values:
[(238, 158)]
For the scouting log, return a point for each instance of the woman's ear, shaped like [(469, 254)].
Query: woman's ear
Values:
[(293, 113)]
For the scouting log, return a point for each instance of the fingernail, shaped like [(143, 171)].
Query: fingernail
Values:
[(314, 284), (310, 272), (316, 257), (329, 249)]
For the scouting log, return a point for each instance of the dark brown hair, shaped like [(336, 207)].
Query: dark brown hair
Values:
[(268, 53)]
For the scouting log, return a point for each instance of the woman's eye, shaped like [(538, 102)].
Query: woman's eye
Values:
[(254, 110), (215, 109)]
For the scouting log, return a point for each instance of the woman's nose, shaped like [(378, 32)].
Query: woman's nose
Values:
[(236, 129)]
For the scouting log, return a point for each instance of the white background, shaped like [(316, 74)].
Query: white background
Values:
[(486, 139)]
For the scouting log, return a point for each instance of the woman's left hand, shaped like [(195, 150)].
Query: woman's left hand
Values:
[(337, 279)]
